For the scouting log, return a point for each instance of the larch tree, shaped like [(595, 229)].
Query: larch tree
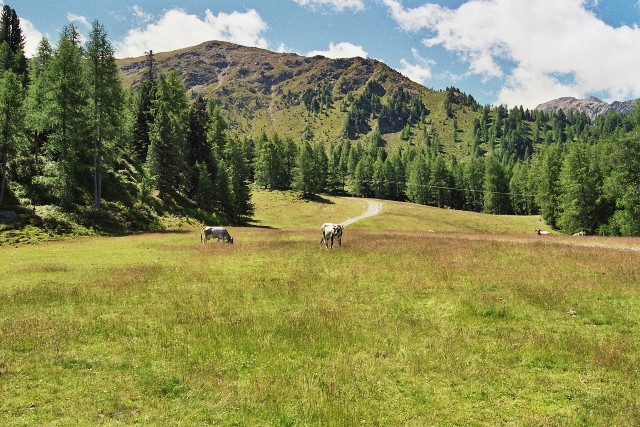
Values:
[(66, 105), (11, 124), (105, 100)]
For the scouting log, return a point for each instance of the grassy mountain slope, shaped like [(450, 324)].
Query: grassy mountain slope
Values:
[(259, 90)]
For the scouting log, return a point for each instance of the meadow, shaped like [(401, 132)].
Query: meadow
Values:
[(423, 317)]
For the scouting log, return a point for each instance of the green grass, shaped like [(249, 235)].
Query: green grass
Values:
[(401, 327)]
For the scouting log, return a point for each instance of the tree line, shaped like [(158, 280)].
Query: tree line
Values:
[(72, 136), (578, 175)]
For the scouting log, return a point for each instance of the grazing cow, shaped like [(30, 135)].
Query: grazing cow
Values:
[(542, 232), (219, 233), (580, 233), (329, 231)]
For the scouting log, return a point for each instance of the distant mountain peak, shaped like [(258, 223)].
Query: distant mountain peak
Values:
[(592, 106)]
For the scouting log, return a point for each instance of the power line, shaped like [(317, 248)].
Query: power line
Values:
[(447, 188)]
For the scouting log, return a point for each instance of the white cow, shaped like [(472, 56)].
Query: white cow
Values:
[(542, 232), (219, 233), (329, 231), (580, 233)]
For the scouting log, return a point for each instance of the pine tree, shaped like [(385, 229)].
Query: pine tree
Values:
[(204, 193), (496, 187), (546, 172), (363, 177), (579, 185), (473, 179), (623, 184), (105, 98), (521, 193), (198, 150), (418, 181), (11, 35), (11, 124), (162, 155), (304, 179), (38, 121), (439, 182), (144, 114), (223, 191), (66, 105), (380, 179), (239, 173)]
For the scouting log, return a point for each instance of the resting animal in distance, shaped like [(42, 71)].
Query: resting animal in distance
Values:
[(329, 231), (219, 233), (542, 232)]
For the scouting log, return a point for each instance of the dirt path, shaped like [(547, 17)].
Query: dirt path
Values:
[(373, 208)]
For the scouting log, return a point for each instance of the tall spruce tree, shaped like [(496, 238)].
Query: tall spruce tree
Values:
[(66, 105), (105, 101), (579, 187), (144, 114), (239, 172), (198, 150), (37, 118), (418, 181), (11, 35), (305, 179), (495, 186), (168, 134), (11, 124)]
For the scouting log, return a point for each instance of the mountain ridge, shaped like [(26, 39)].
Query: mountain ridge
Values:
[(260, 91), (592, 106)]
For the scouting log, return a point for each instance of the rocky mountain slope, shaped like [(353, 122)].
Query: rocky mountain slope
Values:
[(263, 91), (592, 106)]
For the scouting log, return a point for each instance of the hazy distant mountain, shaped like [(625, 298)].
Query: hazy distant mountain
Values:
[(591, 106)]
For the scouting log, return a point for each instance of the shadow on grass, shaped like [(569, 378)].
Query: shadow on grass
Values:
[(318, 199), (254, 223)]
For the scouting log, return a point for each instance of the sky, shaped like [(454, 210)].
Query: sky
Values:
[(509, 52)]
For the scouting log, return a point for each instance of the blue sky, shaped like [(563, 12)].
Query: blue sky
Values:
[(513, 52)]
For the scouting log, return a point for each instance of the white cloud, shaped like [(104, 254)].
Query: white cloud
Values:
[(341, 50), (140, 14), (71, 17), (283, 48), (32, 37), (419, 72), (177, 29), (337, 5), (542, 39)]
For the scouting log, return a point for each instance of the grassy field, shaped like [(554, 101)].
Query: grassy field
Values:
[(422, 317)]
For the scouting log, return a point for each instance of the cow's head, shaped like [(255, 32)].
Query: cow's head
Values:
[(230, 240)]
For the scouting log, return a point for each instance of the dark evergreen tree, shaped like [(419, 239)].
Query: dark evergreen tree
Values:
[(496, 187), (105, 101), (144, 115), (418, 181), (198, 150), (305, 179), (11, 35), (66, 107), (168, 134), (11, 124), (580, 184), (239, 172), (546, 172)]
